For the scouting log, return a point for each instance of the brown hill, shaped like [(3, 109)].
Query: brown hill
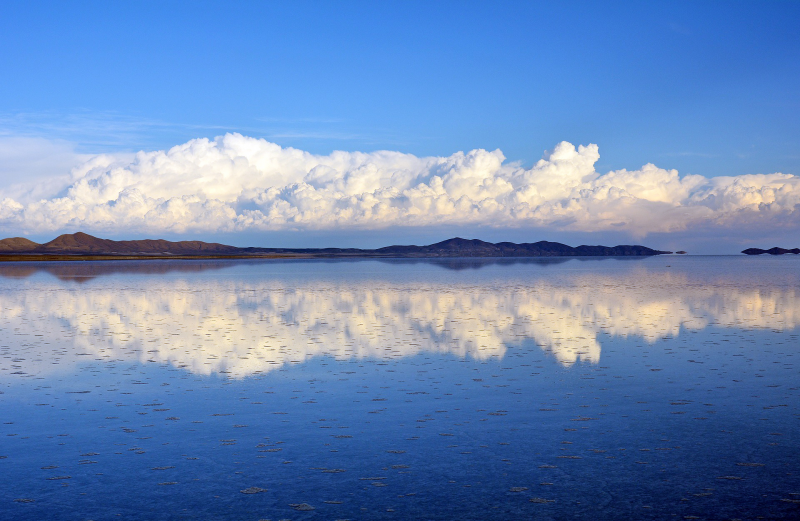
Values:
[(84, 243), (16, 244)]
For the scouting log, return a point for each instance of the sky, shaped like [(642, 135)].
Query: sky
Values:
[(670, 124)]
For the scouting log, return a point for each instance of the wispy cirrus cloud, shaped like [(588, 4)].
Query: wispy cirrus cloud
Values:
[(706, 155), (110, 131), (92, 130)]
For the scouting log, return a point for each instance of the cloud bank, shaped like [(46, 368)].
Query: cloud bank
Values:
[(236, 183)]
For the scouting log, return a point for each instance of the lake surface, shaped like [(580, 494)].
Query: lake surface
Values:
[(641, 388)]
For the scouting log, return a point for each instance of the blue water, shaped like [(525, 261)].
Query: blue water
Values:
[(654, 388)]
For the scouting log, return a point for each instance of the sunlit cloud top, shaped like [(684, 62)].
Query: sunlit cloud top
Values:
[(236, 183)]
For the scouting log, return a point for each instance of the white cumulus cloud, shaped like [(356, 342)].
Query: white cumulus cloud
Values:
[(237, 183)]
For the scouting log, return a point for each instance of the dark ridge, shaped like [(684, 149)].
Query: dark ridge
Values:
[(458, 247), (771, 251), (84, 244)]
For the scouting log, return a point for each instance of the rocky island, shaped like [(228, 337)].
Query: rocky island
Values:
[(84, 246), (771, 251)]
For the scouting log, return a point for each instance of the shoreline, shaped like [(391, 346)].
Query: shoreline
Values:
[(80, 257), (32, 257)]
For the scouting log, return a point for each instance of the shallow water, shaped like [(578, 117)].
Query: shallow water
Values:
[(653, 388)]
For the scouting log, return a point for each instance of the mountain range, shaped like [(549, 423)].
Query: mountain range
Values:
[(85, 244)]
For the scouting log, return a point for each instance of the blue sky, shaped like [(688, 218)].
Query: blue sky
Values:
[(707, 88)]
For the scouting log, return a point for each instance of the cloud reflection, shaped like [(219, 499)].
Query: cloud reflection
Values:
[(246, 326)]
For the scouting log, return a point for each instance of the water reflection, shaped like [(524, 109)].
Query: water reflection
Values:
[(248, 325), (82, 271)]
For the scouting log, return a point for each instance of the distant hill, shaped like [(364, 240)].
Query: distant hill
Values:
[(771, 251), (15, 244), (84, 244), (458, 247)]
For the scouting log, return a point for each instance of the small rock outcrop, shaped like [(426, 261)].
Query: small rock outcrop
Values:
[(771, 251)]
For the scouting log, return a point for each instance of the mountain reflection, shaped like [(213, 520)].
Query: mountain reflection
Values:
[(245, 326), (80, 271)]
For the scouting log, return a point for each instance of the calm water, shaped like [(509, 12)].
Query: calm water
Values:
[(657, 388)]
